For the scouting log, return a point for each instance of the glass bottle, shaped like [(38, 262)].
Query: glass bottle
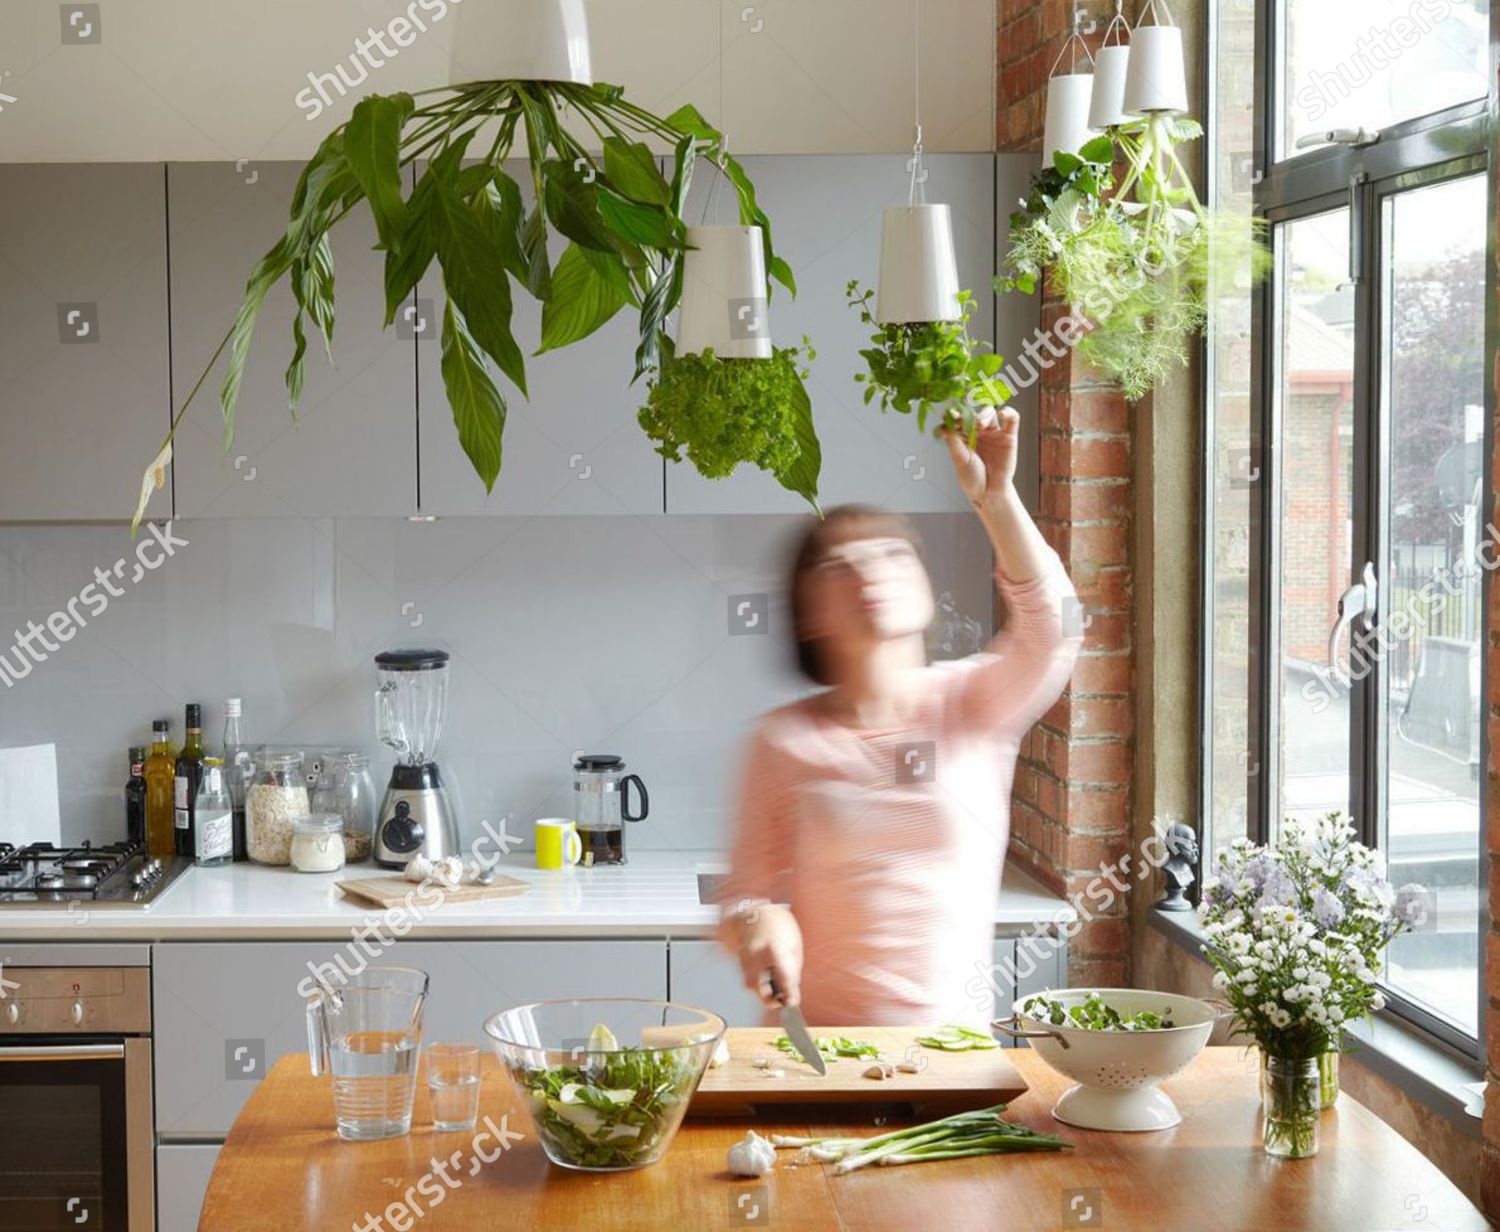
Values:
[(135, 797), (239, 770), (213, 816), (189, 773), (160, 773)]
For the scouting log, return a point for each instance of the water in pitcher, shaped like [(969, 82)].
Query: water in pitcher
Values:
[(374, 1079)]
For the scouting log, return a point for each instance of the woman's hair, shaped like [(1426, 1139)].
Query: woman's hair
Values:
[(842, 524)]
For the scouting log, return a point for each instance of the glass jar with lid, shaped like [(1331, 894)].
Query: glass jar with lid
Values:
[(318, 843), (346, 788), (273, 802)]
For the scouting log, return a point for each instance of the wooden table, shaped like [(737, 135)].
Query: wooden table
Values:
[(284, 1168)]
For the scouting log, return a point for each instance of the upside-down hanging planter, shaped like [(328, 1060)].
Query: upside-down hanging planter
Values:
[(1156, 83), (1111, 67), (724, 304), (918, 267), (524, 40), (1069, 97)]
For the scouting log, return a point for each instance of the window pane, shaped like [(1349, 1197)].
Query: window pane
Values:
[(1235, 473), (1315, 391), (1434, 396), (1377, 62)]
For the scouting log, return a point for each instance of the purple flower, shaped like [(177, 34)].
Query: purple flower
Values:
[(1327, 909), (1277, 888), (1412, 904), (1258, 868)]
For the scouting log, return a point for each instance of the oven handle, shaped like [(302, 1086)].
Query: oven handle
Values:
[(64, 1052)]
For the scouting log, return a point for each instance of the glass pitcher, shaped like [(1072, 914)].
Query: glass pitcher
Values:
[(410, 702), (366, 1031), (601, 806)]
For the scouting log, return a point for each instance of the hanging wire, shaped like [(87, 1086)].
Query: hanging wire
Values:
[(918, 173), (1075, 41), (1118, 28), (711, 202), (1157, 9)]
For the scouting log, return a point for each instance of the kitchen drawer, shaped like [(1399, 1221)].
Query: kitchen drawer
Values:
[(226, 1012), (182, 1175), (705, 974)]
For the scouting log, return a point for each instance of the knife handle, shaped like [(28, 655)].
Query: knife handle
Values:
[(776, 994)]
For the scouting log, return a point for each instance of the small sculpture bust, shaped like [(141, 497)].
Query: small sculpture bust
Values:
[(1182, 858)]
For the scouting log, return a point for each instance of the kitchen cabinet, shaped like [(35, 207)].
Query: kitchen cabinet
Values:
[(826, 214), (85, 398), (224, 1013), (351, 450), (182, 1176), (705, 974), (573, 447)]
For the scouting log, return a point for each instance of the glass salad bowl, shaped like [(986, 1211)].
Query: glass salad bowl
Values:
[(606, 1081)]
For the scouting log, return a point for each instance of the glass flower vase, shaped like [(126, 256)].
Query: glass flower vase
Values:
[(1291, 1102), (1328, 1079)]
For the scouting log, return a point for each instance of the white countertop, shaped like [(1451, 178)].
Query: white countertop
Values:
[(655, 895)]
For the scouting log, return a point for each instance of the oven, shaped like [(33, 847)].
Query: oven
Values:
[(75, 1099)]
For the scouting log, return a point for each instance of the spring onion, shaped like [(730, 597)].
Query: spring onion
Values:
[(955, 1038), (832, 1047), (1094, 1015), (981, 1132)]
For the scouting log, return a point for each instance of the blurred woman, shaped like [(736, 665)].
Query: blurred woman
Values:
[(874, 815)]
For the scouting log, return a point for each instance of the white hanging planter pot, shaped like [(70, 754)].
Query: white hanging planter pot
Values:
[(522, 40), (724, 302), (1111, 65), (1156, 83), (1069, 97), (918, 268)]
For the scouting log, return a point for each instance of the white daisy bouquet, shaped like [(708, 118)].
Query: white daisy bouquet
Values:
[(1296, 933)]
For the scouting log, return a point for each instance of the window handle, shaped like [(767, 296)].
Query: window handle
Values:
[(1340, 136), (1360, 602)]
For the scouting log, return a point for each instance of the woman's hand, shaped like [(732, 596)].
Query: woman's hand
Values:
[(770, 947), (987, 471)]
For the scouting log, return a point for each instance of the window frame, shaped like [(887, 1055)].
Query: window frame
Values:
[(1435, 148)]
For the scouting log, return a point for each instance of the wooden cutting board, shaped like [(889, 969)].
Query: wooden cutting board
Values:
[(388, 892), (946, 1082)]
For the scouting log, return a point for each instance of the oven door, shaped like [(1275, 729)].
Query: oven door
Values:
[(75, 1134)]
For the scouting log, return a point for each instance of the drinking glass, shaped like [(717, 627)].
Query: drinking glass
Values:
[(453, 1085)]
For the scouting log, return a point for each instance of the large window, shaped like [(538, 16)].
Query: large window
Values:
[(1345, 498)]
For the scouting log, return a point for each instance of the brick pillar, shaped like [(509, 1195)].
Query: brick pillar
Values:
[(1071, 809)]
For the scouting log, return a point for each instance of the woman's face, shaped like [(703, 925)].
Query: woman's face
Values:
[(867, 591)]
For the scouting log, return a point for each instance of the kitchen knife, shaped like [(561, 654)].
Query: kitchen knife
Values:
[(795, 1026)]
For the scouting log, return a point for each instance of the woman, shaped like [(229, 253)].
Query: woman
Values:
[(874, 815)]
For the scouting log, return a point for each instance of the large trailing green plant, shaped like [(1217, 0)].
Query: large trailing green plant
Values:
[(1142, 260), (622, 218)]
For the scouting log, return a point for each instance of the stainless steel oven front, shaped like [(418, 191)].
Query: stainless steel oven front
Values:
[(75, 1099)]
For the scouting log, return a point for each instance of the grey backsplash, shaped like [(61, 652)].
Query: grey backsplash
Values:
[(600, 633)]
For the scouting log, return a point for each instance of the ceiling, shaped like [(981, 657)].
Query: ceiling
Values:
[(218, 79)]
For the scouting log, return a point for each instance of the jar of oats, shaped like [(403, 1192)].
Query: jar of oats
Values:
[(273, 802)]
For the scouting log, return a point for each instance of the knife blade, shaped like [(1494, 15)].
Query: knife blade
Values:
[(795, 1027)]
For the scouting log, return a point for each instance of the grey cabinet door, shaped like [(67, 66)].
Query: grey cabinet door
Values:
[(352, 450), (706, 975), (572, 447), (826, 213), (224, 1013), (84, 377), (182, 1176)]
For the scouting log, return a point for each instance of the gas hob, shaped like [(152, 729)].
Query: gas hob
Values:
[(112, 874)]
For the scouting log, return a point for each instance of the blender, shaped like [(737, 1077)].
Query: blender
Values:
[(416, 816)]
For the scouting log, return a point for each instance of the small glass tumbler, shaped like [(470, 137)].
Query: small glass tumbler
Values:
[(453, 1086)]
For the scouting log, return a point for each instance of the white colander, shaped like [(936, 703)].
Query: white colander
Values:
[(1116, 1072)]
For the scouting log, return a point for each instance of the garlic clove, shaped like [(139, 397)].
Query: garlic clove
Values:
[(752, 1155)]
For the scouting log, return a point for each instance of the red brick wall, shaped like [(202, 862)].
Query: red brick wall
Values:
[(1070, 815)]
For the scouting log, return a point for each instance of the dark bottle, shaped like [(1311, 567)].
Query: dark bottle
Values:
[(135, 798), (189, 779)]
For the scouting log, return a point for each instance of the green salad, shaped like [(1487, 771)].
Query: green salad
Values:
[(832, 1047), (616, 1110), (1092, 1014)]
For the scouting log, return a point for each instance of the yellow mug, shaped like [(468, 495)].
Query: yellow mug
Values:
[(557, 843)]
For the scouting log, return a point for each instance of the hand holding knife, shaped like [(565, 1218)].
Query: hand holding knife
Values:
[(795, 1026)]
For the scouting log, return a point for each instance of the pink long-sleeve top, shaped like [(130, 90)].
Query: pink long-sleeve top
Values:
[(888, 845)]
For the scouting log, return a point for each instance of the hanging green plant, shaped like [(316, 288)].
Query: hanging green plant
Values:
[(722, 412), (929, 364), (622, 217), (1141, 262)]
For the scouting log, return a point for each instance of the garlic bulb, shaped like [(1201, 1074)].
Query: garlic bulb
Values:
[(752, 1155), (418, 868), (449, 871)]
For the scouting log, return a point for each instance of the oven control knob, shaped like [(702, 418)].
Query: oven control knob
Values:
[(77, 1013), (13, 1013)]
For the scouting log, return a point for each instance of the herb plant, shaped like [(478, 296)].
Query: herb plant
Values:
[(721, 412), (927, 365), (622, 218), (1093, 1014)]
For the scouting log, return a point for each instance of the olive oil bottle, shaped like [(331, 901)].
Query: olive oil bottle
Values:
[(161, 773)]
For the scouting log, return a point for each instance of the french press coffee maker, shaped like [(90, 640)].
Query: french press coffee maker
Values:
[(601, 806)]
